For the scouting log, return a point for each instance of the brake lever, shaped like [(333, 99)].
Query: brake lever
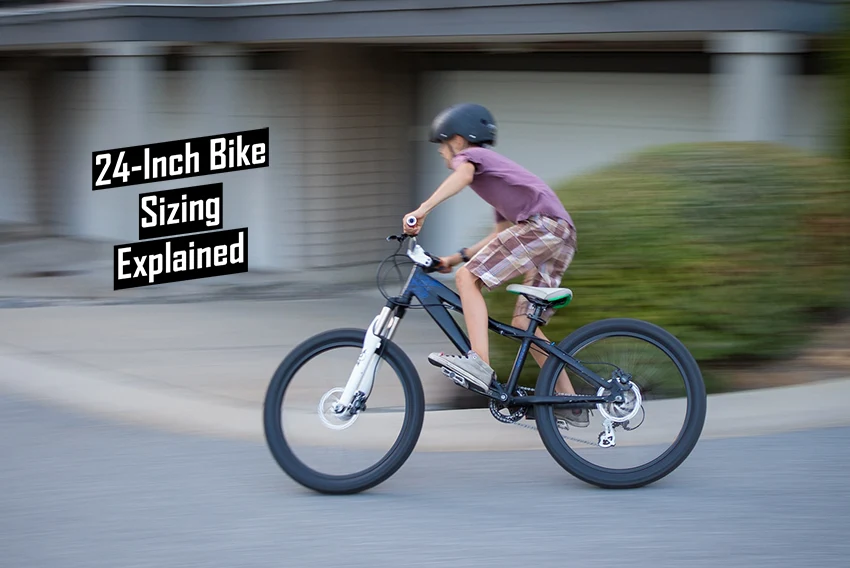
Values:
[(436, 264)]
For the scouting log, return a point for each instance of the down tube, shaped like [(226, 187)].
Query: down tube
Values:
[(431, 294)]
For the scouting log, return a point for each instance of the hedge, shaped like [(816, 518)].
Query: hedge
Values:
[(838, 61), (736, 248)]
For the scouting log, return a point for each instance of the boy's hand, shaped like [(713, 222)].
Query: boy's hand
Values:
[(445, 264), (449, 262), (415, 229)]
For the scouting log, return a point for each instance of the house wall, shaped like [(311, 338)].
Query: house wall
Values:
[(357, 107), (125, 100), (17, 200), (339, 162), (348, 129)]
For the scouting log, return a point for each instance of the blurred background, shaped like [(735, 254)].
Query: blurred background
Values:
[(348, 89), (701, 147)]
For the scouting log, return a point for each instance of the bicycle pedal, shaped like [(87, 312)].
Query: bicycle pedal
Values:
[(458, 380), (462, 381)]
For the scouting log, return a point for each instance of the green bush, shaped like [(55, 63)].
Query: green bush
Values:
[(839, 67), (736, 248)]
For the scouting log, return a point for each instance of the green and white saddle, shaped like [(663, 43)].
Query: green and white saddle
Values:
[(556, 297)]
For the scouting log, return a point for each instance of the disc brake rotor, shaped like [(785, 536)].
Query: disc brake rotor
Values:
[(621, 411), (329, 417)]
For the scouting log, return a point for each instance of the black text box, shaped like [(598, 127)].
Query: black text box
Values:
[(180, 159), (190, 257), (180, 211)]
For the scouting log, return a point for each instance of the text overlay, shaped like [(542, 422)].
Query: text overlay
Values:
[(180, 159), (178, 259)]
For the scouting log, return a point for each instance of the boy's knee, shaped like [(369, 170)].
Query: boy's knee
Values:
[(463, 277)]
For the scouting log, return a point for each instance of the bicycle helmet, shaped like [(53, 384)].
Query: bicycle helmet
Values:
[(471, 121)]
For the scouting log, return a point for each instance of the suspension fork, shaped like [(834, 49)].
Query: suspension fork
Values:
[(362, 376)]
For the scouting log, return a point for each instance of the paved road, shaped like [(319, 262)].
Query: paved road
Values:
[(77, 492)]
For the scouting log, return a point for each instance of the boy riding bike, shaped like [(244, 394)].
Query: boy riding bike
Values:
[(533, 236)]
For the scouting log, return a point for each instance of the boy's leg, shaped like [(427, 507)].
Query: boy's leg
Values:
[(474, 312), (516, 250), (475, 365), (563, 385), (576, 416), (549, 274)]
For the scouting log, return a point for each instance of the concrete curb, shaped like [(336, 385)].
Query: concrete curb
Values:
[(115, 397)]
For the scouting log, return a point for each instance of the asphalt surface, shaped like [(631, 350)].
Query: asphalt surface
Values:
[(79, 492)]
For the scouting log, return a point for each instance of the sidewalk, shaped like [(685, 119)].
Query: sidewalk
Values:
[(224, 351), (193, 336)]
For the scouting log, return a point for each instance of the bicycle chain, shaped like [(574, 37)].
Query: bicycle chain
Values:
[(518, 420)]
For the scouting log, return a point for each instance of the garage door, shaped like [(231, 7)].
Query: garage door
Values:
[(176, 107), (16, 199)]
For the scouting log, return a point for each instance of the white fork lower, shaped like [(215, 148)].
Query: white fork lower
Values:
[(362, 375)]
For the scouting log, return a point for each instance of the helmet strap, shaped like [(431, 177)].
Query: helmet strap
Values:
[(451, 149)]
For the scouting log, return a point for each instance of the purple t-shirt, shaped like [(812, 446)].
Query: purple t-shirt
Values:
[(515, 193)]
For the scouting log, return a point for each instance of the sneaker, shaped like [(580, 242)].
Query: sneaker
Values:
[(469, 368), (578, 417)]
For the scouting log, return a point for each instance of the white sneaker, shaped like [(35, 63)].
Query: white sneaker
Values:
[(470, 368), (566, 416)]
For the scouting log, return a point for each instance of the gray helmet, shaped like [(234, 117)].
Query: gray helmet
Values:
[(471, 121)]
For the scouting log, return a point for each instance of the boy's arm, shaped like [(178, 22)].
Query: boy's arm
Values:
[(456, 259), (459, 179), (501, 226)]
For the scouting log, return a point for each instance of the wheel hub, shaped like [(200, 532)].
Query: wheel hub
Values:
[(332, 413), (623, 410)]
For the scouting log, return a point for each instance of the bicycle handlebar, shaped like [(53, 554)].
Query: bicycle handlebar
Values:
[(432, 264)]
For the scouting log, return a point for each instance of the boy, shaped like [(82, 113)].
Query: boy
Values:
[(534, 236)]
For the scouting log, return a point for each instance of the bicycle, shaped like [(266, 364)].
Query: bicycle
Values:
[(619, 399)]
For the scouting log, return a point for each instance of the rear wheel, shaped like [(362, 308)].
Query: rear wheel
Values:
[(652, 431), (301, 427)]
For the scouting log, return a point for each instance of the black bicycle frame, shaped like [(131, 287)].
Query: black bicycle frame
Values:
[(436, 298)]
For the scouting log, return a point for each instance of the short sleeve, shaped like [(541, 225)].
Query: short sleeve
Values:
[(461, 159), (498, 216), (468, 156)]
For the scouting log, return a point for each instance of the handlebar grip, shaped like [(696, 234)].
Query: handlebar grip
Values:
[(411, 221)]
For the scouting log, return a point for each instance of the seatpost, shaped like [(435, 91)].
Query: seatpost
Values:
[(535, 318)]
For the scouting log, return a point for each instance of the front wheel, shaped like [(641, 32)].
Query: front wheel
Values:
[(301, 426), (656, 426)]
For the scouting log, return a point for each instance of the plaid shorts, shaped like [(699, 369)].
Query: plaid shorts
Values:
[(541, 248)]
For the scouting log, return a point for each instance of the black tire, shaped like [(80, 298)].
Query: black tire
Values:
[(664, 464), (395, 457)]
